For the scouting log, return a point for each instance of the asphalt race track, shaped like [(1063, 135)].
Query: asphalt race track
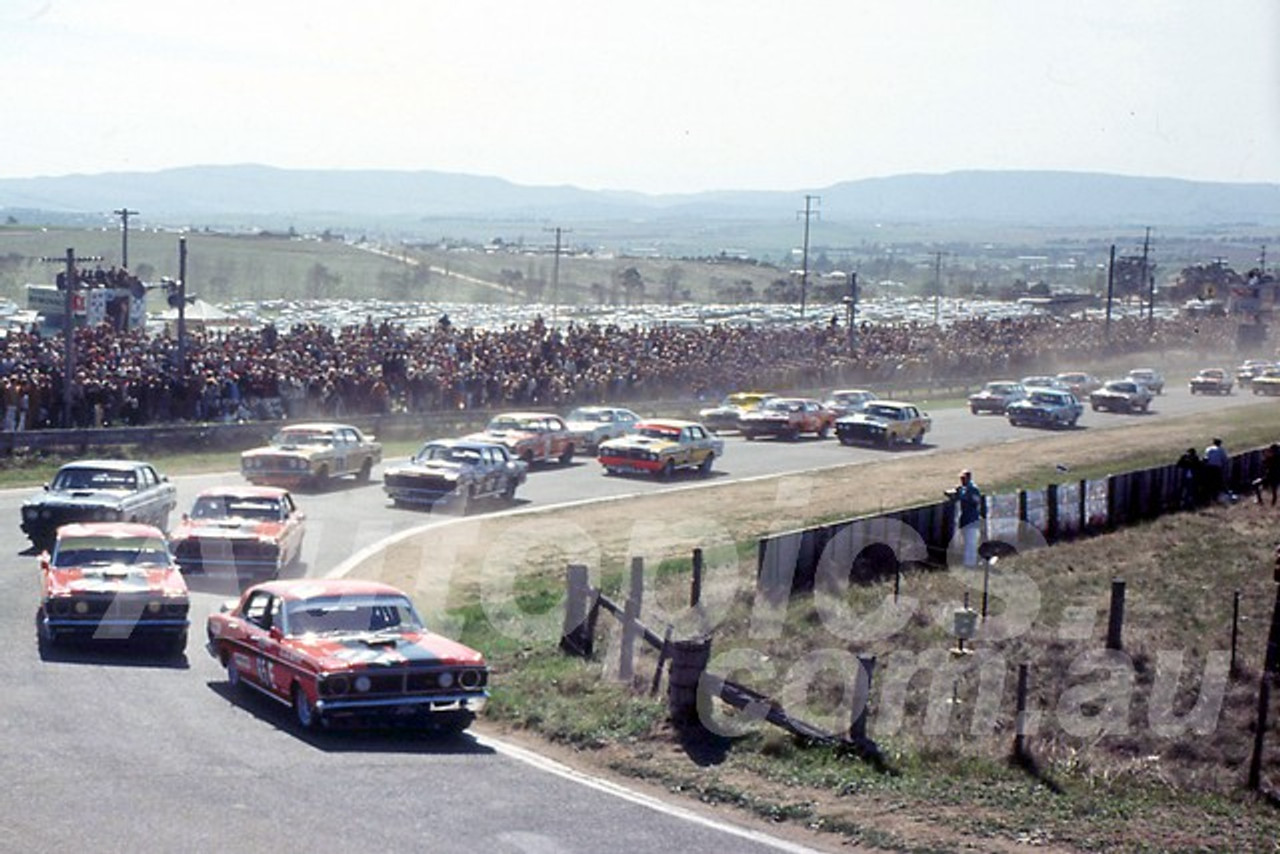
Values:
[(125, 750)]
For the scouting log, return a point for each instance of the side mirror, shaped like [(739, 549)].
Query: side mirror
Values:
[(46, 563), (275, 633), (228, 605)]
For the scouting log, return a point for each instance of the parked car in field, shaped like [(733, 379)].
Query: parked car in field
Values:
[(996, 396), (884, 422), (1149, 377), (455, 473), (98, 491), (847, 401), (787, 418), (1211, 381), (1079, 383), (1267, 382), (661, 446), (1045, 407), (596, 424), (112, 581), (725, 416), (240, 532), (535, 437), (312, 456), (347, 651), (1121, 396)]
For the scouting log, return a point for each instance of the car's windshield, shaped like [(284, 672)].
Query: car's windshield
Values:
[(1048, 398), (1001, 388), (236, 507), (652, 431), (106, 551), (598, 415), (883, 411), (302, 437), (446, 454), (86, 478), (351, 614)]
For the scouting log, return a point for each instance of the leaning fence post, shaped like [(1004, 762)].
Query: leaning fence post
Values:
[(631, 621), (688, 662), (663, 655), (574, 637), (1115, 618)]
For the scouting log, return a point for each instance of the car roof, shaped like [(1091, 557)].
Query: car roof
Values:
[(112, 465), (522, 415), (670, 423), (464, 443), (319, 425), (244, 491), (302, 589), (121, 530)]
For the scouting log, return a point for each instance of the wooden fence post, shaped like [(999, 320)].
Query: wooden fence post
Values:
[(688, 662), (861, 697), (1020, 723), (663, 654), (1115, 618), (575, 636), (1235, 633), (695, 588), (631, 622)]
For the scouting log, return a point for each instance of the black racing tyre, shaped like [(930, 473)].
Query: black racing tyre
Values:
[(304, 712)]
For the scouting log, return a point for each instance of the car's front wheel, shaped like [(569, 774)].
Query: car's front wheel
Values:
[(668, 470), (233, 672), (704, 468), (303, 709)]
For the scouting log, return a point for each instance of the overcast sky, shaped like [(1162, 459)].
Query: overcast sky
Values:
[(654, 96)]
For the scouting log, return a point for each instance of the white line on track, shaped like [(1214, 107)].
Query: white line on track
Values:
[(599, 784)]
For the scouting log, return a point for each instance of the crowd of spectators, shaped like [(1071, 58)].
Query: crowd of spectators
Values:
[(309, 370)]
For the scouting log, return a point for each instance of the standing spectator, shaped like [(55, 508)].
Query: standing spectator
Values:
[(1189, 478), (1215, 471), (971, 513), (1270, 477)]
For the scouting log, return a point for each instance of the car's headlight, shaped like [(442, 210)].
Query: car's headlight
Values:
[(363, 684)]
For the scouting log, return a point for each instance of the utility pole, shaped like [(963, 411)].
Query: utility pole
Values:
[(937, 288), (71, 282), (808, 213), (852, 301), (1111, 281), (1150, 282), (182, 305), (555, 274), (124, 214)]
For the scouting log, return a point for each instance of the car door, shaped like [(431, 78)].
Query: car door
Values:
[(291, 538), (259, 650), (344, 445)]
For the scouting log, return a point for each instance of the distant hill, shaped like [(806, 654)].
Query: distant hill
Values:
[(248, 195)]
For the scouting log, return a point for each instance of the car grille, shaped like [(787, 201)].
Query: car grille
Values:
[(406, 682), (628, 453), (205, 555)]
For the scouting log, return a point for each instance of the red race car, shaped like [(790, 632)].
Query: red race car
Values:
[(242, 532), (112, 581), (347, 651)]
